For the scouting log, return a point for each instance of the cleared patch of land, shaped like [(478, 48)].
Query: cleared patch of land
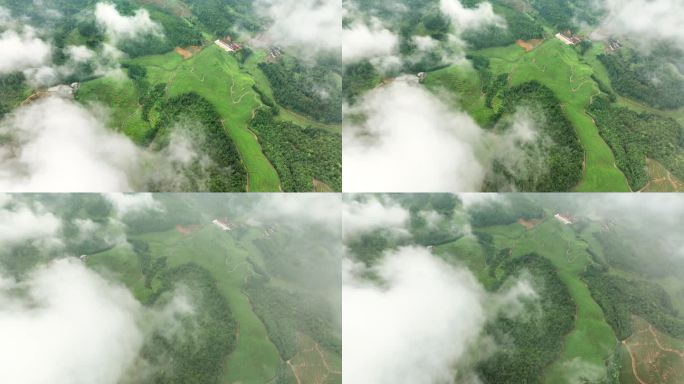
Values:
[(653, 357), (662, 179), (529, 224), (529, 44), (187, 53), (313, 365)]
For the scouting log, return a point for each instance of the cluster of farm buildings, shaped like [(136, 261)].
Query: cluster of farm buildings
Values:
[(568, 38), (227, 44)]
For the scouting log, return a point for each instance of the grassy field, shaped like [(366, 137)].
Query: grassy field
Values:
[(216, 75), (558, 66), (251, 67), (255, 359), (465, 84), (592, 340), (569, 255), (213, 74), (119, 95)]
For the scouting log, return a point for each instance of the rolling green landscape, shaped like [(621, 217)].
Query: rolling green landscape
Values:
[(261, 292), (622, 101), (607, 301), (178, 52)]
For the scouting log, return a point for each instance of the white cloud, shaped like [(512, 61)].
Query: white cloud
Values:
[(416, 328), (133, 202), (308, 25), (5, 16), (317, 209), (472, 199), (20, 223), (366, 41), (119, 27), (423, 323), (644, 20), (425, 43), (22, 50), (410, 141), (372, 213), (5, 198), (57, 145), (170, 166), (520, 149), (470, 18), (74, 325), (80, 53)]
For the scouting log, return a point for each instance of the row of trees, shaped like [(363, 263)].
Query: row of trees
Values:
[(650, 79), (634, 136), (518, 26), (302, 307), (226, 173), (504, 212), (223, 17), (285, 312), (567, 14), (13, 91), (298, 154), (209, 332), (620, 298), (358, 78), (558, 143), (533, 340), (312, 91)]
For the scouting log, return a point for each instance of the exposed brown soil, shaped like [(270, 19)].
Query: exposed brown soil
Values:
[(188, 52), (186, 230), (320, 186), (529, 224), (529, 44)]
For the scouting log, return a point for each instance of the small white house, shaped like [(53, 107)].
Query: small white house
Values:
[(222, 225), (564, 39), (224, 46), (563, 219)]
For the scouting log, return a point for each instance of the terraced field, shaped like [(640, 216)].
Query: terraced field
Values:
[(119, 95), (216, 75), (567, 251), (464, 85), (558, 66), (255, 359)]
